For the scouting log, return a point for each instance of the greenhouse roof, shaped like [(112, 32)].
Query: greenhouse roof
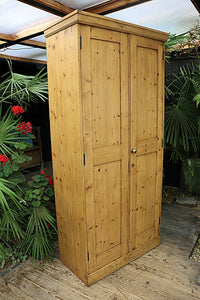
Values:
[(22, 22)]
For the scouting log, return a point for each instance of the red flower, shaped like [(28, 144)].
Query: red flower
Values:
[(17, 110), (43, 171), (50, 182), (48, 225), (3, 159), (47, 176), (24, 127)]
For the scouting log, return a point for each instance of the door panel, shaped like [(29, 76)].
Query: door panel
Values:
[(107, 205), (147, 100), (145, 195), (105, 60), (105, 129), (146, 138)]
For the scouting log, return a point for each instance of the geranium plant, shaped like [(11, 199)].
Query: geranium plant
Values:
[(40, 215), (27, 217)]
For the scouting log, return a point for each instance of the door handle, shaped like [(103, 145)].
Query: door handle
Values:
[(133, 150)]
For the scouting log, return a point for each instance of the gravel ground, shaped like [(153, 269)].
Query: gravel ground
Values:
[(169, 195)]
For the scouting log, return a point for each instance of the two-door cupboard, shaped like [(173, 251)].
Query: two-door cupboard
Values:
[(106, 81)]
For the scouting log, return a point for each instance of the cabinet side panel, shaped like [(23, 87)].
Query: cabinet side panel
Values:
[(63, 50)]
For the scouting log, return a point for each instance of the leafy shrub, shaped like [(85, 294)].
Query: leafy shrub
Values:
[(27, 214)]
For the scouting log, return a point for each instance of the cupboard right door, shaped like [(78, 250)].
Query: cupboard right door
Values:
[(146, 140)]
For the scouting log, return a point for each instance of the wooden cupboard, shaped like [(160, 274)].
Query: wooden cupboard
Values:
[(106, 81)]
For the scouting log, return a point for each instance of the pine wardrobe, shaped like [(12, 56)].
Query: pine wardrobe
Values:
[(106, 105)]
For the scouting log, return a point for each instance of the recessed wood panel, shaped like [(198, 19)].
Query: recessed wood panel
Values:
[(145, 195), (147, 90), (107, 195), (105, 65)]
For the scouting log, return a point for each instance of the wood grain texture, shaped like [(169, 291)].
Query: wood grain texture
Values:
[(163, 273), (106, 98), (23, 59), (107, 205), (90, 19), (108, 111), (113, 5), (50, 6), (67, 147), (147, 105), (88, 142)]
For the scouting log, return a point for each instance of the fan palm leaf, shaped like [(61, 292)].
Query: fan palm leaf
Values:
[(23, 89), (181, 114), (38, 235), (10, 198)]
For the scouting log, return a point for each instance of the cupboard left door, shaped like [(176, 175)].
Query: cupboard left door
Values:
[(104, 72)]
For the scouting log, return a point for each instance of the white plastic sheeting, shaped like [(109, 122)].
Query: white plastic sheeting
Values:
[(83, 4), (174, 16), (16, 16)]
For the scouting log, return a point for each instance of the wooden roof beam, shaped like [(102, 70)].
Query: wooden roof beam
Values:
[(20, 40), (113, 5), (50, 6), (5, 38), (24, 36), (196, 3), (61, 10), (36, 61)]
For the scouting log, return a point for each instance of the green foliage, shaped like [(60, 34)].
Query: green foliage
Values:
[(39, 188), (28, 221), (9, 254), (22, 89), (186, 43), (182, 114), (40, 233), (182, 110), (172, 42), (27, 212), (40, 214), (9, 135), (192, 174), (8, 131)]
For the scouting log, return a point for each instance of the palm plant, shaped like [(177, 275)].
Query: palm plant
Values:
[(182, 114), (10, 192), (25, 222), (8, 131), (172, 42), (22, 89), (10, 206), (40, 233)]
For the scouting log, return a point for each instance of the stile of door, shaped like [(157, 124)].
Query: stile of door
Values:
[(146, 140), (105, 133)]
